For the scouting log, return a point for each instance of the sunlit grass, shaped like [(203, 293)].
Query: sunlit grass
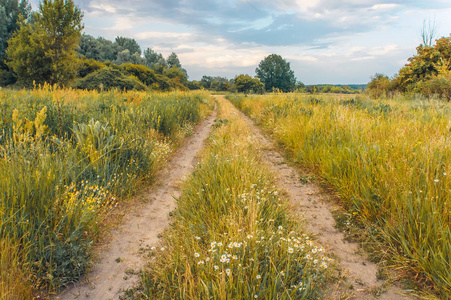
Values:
[(390, 161), (66, 159), (232, 235)]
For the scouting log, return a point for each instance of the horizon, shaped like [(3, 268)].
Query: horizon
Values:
[(323, 40)]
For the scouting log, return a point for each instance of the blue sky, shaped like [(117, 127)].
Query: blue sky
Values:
[(326, 41)]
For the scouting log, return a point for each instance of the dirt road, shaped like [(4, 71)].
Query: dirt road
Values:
[(310, 205), (123, 257)]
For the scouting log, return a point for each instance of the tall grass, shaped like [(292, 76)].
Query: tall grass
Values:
[(66, 158), (389, 159), (232, 236)]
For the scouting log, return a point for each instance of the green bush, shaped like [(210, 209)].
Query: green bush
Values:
[(143, 73), (107, 79), (88, 66), (439, 85)]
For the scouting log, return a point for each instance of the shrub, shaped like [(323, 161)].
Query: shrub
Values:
[(107, 79), (439, 85), (143, 73), (88, 66), (378, 85)]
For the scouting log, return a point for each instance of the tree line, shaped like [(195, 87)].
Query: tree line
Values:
[(48, 46), (427, 73)]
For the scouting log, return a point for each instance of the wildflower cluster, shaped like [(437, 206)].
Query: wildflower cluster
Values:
[(89, 197)]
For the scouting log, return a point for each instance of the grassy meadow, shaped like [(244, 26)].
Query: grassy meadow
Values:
[(67, 158), (390, 162), (232, 236)]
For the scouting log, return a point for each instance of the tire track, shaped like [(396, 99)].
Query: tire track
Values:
[(124, 255), (309, 205)]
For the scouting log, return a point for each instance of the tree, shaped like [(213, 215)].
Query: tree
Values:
[(107, 49), (246, 84), (89, 47), (175, 72), (173, 61), (128, 44), (379, 85), (426, 63), (428, 32), (10, 11), (44, 50), (275, 72), (154, 60)]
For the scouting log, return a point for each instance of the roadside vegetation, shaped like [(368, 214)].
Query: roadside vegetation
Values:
[(389, 161), (232, 235), (67, 158)]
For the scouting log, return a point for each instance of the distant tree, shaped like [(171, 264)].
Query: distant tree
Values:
[(126, 57), (128, 44), (220, 84), (378, 86), (10, 10), (300, 86), (246, 84), (173, 61), (194, 85), (275, 72), (154, 60), (206, 81), (89, 47), (108, 50), (44, 50), (175, 72)]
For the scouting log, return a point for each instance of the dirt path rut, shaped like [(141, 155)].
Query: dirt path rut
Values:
[(123, 257), (308, 203)]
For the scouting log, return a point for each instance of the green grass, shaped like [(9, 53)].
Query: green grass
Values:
[(389, 160), (232, 236), (67, 158)]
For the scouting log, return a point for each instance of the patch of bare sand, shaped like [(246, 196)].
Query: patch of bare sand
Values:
[(123, 256), (315, 210)]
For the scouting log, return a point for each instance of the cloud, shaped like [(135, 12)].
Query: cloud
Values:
[(324, 40)]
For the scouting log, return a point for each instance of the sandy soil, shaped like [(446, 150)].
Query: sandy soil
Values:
[(312, 207), (123, 256)]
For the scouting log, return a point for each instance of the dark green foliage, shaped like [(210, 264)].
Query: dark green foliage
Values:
[(194, 85), (215, 83), (89, 47), (275, 73), (47, 45), (10, 12), (107, 78), (173, 61), (128, 44), (155, 60)]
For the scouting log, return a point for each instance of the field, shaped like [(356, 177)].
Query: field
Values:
[(232, 235), (68, 158), (389, 160)]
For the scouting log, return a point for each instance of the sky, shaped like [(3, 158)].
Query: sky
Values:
[(325, 41)]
